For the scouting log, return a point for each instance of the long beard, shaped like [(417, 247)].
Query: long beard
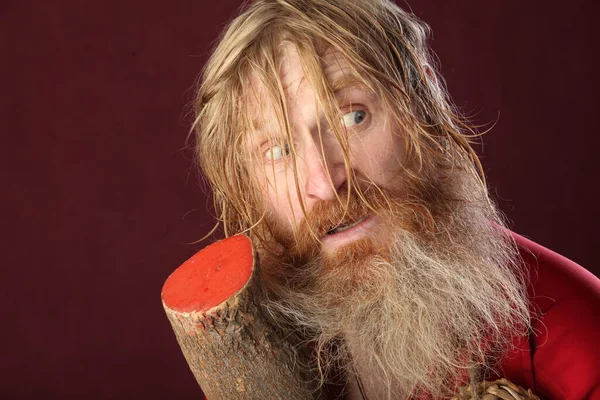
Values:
[(425, 305)]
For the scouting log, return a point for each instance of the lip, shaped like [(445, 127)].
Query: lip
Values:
[(356, 232)]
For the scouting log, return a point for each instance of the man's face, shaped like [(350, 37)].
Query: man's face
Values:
[(376, 150), (401, 281)]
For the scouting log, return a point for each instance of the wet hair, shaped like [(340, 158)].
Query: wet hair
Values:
[(387, 50)]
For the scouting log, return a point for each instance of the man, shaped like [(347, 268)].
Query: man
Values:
[(329, 139)]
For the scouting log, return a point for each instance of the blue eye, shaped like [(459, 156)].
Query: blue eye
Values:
[(354, 117), (276, 153)]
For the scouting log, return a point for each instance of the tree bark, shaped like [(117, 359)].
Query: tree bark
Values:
[(214, 304)]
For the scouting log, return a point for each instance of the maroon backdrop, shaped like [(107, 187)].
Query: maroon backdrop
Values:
[(100, 201)]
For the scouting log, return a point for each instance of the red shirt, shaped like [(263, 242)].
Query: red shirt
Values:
[(561, 358)]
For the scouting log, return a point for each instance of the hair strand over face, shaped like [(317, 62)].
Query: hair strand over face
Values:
[(387, 48)]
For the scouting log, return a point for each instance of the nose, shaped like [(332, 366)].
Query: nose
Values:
[(321, 165)]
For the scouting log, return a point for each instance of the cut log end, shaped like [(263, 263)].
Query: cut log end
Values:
[(214, 302), (210, 277)]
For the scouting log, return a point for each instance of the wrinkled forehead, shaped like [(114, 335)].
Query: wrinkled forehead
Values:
[(295, 70), (330, 65)]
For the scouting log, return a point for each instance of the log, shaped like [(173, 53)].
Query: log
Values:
[(501, 389), (214, 303)]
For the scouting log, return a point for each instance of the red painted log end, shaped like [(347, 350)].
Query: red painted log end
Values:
[(210, 277)]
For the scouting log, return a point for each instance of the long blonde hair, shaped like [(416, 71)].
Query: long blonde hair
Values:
[(385, 45)]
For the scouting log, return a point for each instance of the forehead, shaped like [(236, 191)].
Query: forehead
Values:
[(290, 81), (334, 67)]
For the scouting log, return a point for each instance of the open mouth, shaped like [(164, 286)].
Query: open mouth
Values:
[(342, 228)]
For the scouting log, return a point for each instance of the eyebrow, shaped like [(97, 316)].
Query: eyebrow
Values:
[(348, 81)]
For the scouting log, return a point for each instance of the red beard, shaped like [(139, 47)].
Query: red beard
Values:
[(291, 251), (407, 307)]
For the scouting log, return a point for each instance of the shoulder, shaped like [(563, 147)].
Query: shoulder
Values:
[(563, 353), (557, 276)]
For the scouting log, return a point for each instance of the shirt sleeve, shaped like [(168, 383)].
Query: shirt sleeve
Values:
[(564, 347)]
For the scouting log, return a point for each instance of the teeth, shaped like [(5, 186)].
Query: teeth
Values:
[(346, 227)]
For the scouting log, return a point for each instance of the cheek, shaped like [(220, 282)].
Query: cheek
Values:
[(394, 155), (279, 194), (379, 157)]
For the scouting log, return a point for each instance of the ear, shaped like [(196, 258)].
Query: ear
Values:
[(430, 75)]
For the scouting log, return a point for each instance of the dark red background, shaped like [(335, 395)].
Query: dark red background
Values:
[(100, 199)]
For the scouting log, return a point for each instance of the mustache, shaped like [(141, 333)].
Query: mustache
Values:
[(325, 216), (405, 210)]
